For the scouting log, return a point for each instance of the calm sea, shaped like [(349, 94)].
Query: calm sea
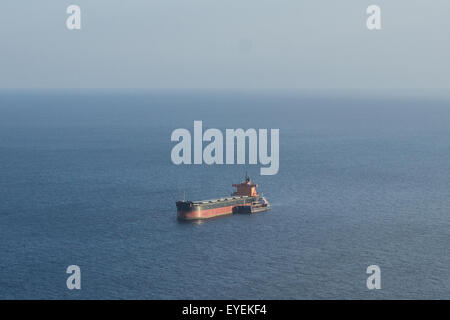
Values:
[(87, 179)]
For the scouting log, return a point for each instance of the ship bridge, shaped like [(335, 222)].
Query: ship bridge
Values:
[(246, 188)]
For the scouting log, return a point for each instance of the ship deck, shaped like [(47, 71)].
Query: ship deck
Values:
[(220, 199)]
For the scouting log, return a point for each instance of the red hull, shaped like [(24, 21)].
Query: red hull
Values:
[(205, 214)]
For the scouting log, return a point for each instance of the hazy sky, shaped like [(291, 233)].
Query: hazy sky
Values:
[(239, 44)]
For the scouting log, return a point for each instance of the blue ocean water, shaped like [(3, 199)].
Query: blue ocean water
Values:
[(86, 178)]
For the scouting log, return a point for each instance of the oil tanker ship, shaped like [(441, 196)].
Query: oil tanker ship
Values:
[(244, 200)]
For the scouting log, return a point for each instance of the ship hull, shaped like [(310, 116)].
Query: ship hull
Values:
[(204, 214), (250, 209), (207, 209)]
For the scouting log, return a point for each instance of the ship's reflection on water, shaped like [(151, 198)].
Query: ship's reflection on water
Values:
[(202, 221), (190, 222)]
